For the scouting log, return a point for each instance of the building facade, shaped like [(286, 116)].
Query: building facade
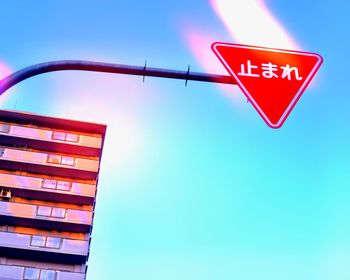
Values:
[(49, 171)]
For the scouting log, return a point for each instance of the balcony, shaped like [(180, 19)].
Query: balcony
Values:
[(14, 272), (50, 164), (50, 140), (48, 189), (43, 248), (45, 217)]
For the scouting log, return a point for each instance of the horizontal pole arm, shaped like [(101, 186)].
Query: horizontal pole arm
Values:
[(82, 65)]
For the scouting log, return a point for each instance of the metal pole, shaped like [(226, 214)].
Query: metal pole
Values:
[(144, 71)]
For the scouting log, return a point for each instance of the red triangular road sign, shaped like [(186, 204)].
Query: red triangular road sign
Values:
[(272, 79)]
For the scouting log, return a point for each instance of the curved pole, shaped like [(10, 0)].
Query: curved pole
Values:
[(61, 65)]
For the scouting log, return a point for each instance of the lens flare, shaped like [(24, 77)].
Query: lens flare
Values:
[(251, 23), (113, 100)]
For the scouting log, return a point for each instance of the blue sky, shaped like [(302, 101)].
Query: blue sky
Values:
[(194, 185)]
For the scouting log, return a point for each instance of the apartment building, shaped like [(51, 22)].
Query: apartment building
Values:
[(49, 171)]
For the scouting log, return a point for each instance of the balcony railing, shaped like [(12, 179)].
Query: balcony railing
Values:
[(51, 164), (50, 139), (43, 248), (48, 189), (14, 272), (45, 217)]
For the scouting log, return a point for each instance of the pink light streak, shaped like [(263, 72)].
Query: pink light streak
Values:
[(5, 70), (251, 23)]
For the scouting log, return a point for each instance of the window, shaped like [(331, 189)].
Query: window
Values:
[(47, 211), (63, 136), (44, 211), (54, 159), (54, 184), (53, 242), (67, 160), (4, 128), (63, 185), (57, 159), (58, 135), (2, 150), (38, 241), (58, 213), (45, 241), (72, 137), (31, 273), (47, 274), (49, 184)]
